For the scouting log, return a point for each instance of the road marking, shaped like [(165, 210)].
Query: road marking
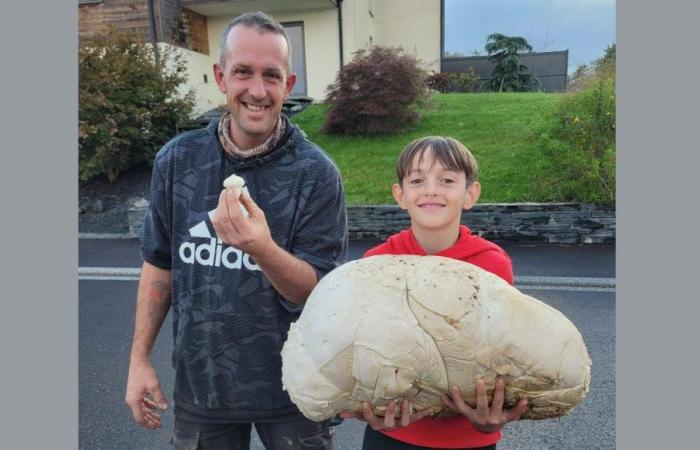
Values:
[(107, 236), (590, 284)]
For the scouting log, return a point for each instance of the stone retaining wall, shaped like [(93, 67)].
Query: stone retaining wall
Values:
[(560, 223)]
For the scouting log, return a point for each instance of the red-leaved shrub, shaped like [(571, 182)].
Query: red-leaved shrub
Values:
[(380, 91)]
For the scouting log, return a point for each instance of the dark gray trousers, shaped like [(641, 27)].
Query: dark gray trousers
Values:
[(301, 434)]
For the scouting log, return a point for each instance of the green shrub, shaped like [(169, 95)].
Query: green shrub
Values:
[(467, 81), (129, 103), (379, 92), (438, 81), (580, 143), (586, 75)]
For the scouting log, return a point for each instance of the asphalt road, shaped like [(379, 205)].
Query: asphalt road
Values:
[(106, 314)]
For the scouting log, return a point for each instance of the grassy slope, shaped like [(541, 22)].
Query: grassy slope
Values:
[(497, 128)]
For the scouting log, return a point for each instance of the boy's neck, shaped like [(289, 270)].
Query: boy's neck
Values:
[(434, 241)]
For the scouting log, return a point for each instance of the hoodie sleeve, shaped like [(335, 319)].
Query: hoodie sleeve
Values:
[(496, 262)]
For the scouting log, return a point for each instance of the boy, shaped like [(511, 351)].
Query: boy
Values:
[(436, 181)]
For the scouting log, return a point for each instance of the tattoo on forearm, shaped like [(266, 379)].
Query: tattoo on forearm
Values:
[(158, 301)]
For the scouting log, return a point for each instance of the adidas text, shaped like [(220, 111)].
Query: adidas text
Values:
[(214, 254)]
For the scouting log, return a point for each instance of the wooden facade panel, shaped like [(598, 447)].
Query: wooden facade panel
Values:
[(174, 24), (196, 29), (124, 15)]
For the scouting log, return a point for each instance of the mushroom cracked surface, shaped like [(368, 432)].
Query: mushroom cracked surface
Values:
[(408, 327)]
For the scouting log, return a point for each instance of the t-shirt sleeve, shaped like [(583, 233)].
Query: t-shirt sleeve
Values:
[(321, 236), (496, 262), (155, 234)]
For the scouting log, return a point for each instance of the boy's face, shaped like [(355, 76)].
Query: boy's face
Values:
[(433, 195)]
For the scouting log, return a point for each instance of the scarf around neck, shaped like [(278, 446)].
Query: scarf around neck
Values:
[(234, 151)]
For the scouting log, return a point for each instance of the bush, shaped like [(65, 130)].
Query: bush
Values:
[(380, 91), (580, 79), (438, 81), (580, 143), (129, 104), (467, 81), (586, 75)]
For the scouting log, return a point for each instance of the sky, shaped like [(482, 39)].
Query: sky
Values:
[(584, 27)]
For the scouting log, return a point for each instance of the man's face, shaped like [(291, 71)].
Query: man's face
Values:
[(255, 82), (434, 195)]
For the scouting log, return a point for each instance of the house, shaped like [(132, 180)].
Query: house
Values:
[(324, 33)]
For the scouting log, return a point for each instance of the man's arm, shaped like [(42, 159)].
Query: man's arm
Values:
[(152, 305), (292, 277)]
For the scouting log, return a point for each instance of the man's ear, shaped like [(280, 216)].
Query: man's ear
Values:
[(291, 81), (397, 192), (219, 77), (472, 195)]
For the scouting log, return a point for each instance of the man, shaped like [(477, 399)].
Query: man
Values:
[(236, 271)]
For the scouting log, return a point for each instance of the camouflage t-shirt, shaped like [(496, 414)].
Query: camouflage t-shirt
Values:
[(229, 323)]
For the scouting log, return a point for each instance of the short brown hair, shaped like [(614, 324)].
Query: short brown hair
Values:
[(258, 21), (451, 153)]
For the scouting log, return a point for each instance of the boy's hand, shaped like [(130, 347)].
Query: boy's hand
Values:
[(388, 422), (485, 419)]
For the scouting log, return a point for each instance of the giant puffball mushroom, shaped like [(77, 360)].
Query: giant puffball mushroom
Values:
[(410, 327), (235, 183)]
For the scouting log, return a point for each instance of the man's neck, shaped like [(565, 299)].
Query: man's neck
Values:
[(436, 240), (241, 145), (244, 143)]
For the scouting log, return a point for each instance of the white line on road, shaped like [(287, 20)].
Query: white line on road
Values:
[(108, 236), (522, 282)]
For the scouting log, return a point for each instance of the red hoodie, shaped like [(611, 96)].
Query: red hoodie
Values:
[(454, 431)]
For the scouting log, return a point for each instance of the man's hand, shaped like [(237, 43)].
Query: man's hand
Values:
[(249, 234), (143, 382), (388, 422), (292, 277), (485, 419)]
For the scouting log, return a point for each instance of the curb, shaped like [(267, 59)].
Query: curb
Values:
[(522, 282)]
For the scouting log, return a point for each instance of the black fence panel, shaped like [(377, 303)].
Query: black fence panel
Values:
[(550, 68)]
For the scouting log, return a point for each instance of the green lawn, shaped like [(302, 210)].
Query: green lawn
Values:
[(497, 128)]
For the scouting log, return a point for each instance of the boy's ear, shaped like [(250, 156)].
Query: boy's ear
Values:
[(472, 195), (397, 192)]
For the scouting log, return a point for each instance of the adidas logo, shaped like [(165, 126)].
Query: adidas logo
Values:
[(213, 253)]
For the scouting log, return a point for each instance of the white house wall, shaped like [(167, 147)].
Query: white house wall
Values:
[(357, 27), (411, 24), (207, 95)]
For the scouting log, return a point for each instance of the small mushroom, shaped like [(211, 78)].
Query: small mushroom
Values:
[(234, 183)]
